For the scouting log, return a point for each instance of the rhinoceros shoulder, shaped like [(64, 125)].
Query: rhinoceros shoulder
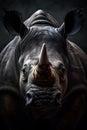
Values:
[(78, 65), (8, 58)]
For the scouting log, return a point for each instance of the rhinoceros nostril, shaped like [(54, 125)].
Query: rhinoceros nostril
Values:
[(58, 98), (29, 98)]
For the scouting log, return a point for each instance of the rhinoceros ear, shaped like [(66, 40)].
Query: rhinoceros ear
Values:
[(13, 23), (72, 23)]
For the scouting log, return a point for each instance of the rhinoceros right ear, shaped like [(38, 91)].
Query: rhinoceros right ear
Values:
[(72, 23), (13, 23)]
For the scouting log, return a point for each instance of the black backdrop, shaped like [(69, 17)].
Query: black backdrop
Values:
[(57, 8)]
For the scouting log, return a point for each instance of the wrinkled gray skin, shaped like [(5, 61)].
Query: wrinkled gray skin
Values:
[(26, 99)]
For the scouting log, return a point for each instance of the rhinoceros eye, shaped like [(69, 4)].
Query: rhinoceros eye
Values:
[(25, 71), (61, 69), (61, 72)]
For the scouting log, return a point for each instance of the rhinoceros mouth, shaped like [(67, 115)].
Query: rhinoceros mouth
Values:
[(43, 111)]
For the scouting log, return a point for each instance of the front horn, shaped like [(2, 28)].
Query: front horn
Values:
[(43, 58), (44, 73)]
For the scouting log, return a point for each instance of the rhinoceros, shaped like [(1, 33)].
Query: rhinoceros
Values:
[(43, 75)]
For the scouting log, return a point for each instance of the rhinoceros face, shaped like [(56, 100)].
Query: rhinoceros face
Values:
[(43, 75)]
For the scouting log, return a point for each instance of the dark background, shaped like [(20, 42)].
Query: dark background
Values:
[(57, 8)]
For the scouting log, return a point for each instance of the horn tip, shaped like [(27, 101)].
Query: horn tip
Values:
[(44, 45)]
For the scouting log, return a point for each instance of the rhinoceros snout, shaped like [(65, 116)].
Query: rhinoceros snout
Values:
[(41, 97)]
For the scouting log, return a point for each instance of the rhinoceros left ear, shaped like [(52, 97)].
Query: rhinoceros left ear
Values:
[(13, 23), (72, 23)]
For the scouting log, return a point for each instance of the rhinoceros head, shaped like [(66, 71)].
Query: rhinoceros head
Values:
[(43, 61)]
